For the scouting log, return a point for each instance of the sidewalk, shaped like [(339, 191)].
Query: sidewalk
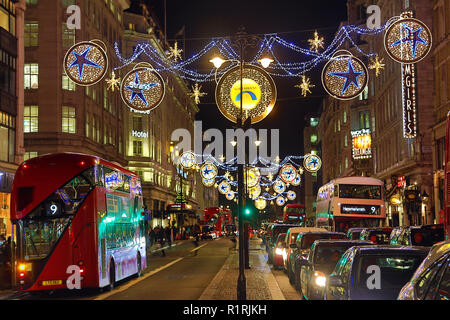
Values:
[(261, 284)]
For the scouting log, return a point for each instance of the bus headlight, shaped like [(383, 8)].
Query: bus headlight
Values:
[(321, 279)]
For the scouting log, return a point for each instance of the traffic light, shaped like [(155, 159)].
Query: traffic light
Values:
[(249, 209)]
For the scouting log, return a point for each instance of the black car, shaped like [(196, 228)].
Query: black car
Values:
[(354, 233), (425, 236), (373, 272), (301, 250), (376, 235), (322, 260), (274, 231)]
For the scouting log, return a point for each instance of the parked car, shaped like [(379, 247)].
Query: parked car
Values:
[(373, 272), (354, 233), (321, 261), (274, 231), (291, 237), (432, 278), (376, 235), (280, 248), (207, 233), (302, 246), (425, 236)]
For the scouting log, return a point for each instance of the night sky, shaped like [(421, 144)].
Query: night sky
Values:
[(293, 20)]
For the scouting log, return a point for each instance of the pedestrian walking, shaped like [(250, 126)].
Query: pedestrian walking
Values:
[(168, 237), (162, 243), (152, 236)]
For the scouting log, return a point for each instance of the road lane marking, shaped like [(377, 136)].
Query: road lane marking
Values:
[(135, 281), (198, 248)]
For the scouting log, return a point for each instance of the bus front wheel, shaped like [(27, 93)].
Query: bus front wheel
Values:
[(139, 265)]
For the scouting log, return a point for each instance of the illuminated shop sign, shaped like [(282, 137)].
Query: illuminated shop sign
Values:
[(360, 209), (362, 144), (139, 134), (409, 101)]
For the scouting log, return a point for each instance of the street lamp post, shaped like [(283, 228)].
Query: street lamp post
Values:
[(241, 42)]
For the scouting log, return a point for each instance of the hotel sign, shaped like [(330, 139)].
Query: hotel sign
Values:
[(409, 101)]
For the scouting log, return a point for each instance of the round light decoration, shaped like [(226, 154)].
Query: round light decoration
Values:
[(279, 186), (281, 201), (224, 187), (254, 192), (86, 62), (208, 171), (312, 163), (297, 181), (288, 173), (142, 89), (187, 160), (208, 183), (408, 40), (291, 195), (230, 196), (345, 77), (260, 203), (258, 95), (253, 177)]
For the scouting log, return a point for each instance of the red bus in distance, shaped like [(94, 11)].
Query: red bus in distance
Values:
[(294, 214), (76, 210)]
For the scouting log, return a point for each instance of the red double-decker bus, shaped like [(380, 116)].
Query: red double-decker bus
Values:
[(76, 210), (447, 180), (294, 214)]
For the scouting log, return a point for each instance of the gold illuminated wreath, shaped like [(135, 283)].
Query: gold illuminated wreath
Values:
[(345, 77), (142, 88), (86, 62), (258, 97), (408, 40)]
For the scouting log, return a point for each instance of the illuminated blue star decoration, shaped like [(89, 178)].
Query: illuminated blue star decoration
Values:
[(81, 60), (413, 38), (314, 162), (350, 77), (137, 89)]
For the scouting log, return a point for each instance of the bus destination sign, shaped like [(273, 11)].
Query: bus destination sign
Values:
[(360, 209)]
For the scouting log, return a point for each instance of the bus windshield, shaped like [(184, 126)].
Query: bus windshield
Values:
[(352, 191), (42, 228)]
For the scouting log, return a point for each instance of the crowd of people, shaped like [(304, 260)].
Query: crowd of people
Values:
[(160, 235)]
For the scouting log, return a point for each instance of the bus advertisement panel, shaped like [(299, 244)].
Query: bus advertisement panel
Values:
[(350, 202), (76, 213)]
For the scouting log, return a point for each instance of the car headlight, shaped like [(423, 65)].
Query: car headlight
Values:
[(279, 251), (321, 279)]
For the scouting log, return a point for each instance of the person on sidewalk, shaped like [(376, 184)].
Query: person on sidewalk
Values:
[(162, 242), (151, 236)]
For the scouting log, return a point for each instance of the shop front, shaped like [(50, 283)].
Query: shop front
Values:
[(181, 215), (6, 181)]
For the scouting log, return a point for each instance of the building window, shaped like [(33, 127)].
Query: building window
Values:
[(31, 35), (31, 119), (32, 2), (345, 141), (88, 128), (7, 18), (120, 143), (440, 154), (68, 119), (31, 76), (365, 94), (364, 120), (345, 116), (68, 36), (346, 163), (137, 123), (7, 137), (67, 84), (67, 3), (137, 148), (30, 155)]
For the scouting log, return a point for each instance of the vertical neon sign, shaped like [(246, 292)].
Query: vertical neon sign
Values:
[(409, 101)]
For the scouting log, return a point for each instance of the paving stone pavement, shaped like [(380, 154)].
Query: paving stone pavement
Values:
[(261, 284)]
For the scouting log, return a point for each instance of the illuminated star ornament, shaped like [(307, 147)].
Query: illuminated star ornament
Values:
[(305, 85), (175, 53), (351, 77), (316, 43), (345, 77), (408, 40), (142, 89), (113, 82), (412, 37), (377, 65), (137, 89), (197, 93), (86, 63)]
